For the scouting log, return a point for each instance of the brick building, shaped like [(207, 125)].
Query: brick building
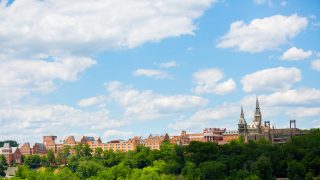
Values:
[(12, 154), (39, 148), (26, 149)]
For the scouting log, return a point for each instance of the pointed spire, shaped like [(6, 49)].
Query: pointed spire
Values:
[(242, 114), (242, 119), (257, 107)]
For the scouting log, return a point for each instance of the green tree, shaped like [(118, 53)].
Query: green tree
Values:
[(190, 171), (296, 170), (263, 168), (3, 165), (33, 161), (87, 151), (88, 168), (51, 158), (212, 170), (97, 153)]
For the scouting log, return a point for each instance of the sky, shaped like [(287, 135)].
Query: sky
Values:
[(118, 68)]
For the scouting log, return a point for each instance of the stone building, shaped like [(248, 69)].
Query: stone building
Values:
[(256, 130), (12, 154)]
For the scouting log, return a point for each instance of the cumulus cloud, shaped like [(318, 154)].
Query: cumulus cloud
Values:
[(20, 77), (88, 26), (220, 116), (157, 74), (109, 134), (27, 122), (316, 65), (295, 54), (168, 64), (262, 34), (210, 81), (91, 101), (271, 80), (147, 105)]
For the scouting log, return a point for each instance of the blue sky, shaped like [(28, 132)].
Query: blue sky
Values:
[(117, 69)]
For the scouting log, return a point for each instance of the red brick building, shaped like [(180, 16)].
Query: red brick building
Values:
[(12, 154)]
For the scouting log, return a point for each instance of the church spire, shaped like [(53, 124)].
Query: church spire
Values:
[(242, 114), (242, 119), (258, 112)]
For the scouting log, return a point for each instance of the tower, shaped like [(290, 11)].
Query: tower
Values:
[(242, 125), (257, 117)]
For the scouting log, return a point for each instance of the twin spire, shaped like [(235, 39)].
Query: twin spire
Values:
[(257, 113)]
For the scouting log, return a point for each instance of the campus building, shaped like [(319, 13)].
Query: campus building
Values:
[(12, 154)]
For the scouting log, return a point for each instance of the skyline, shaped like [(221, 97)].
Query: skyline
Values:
[(118, 69)]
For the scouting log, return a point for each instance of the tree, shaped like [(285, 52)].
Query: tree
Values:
[(212, 170), (87, 169), (3, 165), (263, 168), (296, 170), (98, 152), (33, 161), (190, 171), (87, 151), (50, 156)]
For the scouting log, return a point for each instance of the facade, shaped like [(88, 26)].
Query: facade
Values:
[(154, 142), (39, 148), (50, 143), (93, 142), (12, 154), (26, 149), (255, 127), (256, 130), (229, 136), (213, 134)]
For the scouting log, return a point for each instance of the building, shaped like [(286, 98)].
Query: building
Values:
[(39, 148), (229, 136), (154, 142), (256, 130), (93, 142), (50, 143), (12, 154), (26, 149), (213, 134)]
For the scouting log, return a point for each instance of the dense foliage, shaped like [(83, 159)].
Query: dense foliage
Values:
[(298, 159), (11, 142)]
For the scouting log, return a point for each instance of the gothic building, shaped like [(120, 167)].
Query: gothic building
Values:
[(255, 127)]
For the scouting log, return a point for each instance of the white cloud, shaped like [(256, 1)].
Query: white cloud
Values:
[(86, 26), (303, 112), (316, 64), (209, 81), (271, 80), (157, 74), (20, 77), (147, 105), (91, 101), (300, 97), (295, 54), (117, 134), (220, 116), (263, 34), (261, 2), (28, 122), (169, 64)]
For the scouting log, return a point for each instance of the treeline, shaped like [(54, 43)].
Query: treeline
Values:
[(12, 143), (298, 159)]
